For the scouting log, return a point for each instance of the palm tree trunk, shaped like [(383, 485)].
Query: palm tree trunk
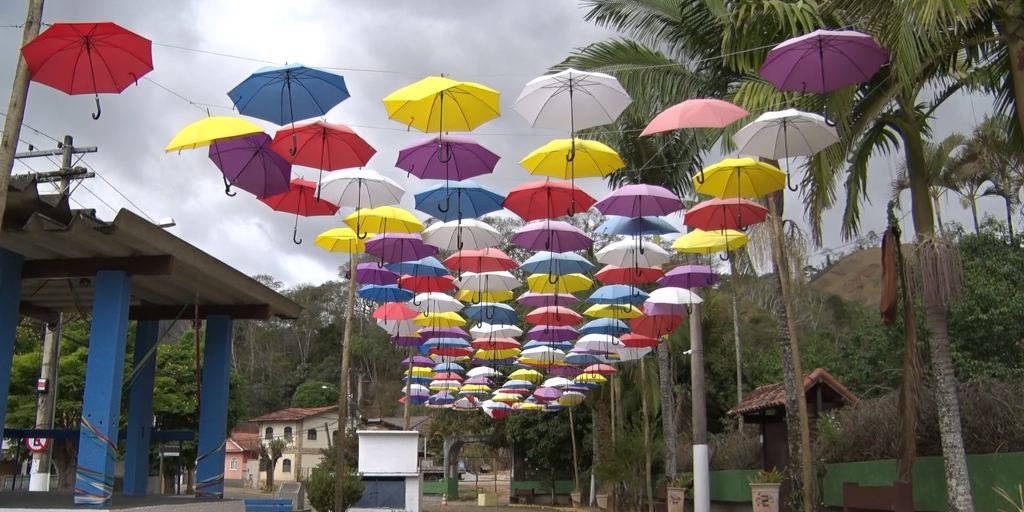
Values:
[(739, 349), (974, 214), (938, 213), (668, 423), (797, 428), (1009, 216), (1013, 27), (649, 478)]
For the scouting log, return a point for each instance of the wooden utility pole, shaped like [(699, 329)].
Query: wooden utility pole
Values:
[(16, 107), (701, 475), (341, 463)]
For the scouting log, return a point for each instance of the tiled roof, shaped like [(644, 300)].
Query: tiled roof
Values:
[(293, 413), (246, 441), (774, 395)]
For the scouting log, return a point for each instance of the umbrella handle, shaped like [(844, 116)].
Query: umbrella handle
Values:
[(99, 110), (447, 204), (295, 237), (790, 186), (227, 188), (414, 303), (443, 156), (728, 256), (550, 281), (700, 177)]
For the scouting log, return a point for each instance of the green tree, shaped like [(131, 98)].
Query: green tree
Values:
[(941, 162), (990, 152), (271, 452), (315, 393)]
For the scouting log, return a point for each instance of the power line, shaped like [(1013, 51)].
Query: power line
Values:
[(105, 180)]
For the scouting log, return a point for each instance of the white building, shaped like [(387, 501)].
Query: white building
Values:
[(306, 431)]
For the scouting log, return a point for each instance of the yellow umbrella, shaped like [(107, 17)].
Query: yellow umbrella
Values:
[(528, 406), (524, 374), (209, 129), (445, 386), (699, 241), (567, 283), (340, 240), (439, 104), (421, 371), (739, 177), (448, 319), (475, 388), (508, 398), (477, 297), (492, 355), (621, 311), (573, 158), (590, 378), (571, 399), (383, 219)]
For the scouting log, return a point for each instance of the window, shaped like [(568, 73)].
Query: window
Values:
[(234, 464), (268, 433), (286, 466), (288, 434), (311, 434)]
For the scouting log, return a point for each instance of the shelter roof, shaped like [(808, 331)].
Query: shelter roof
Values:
[(774, 395)]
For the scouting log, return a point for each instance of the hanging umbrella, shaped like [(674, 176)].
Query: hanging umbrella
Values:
[(488, 259), (300, 199), (556, 263), (495, 343), (568, 283), (601, 369), (494, 312), (543, 394), (785, 134), (655, 325), (370, 273), (732, 213), (464, 234), (448, 158), (383, 219), (489, 330), (435, 302), (422, 284), (616, 225), (632, 253), (695, 113), (443, 332), (360, 188), (823, 61), (739, 177), (475, 390), (465, 403), (638, 200), (664, 309), (384, 293), (448, 375), (440, 104), (211, 129), (689, 276), (597, 343), (617, 294), (547, 200), (590, 378), (611, 274), (394, 311), (569, 159), (477, 297), (401, 329), (289, 93), (554, 315), (634, 340), (557, 345), (572, 100), (488, 281), (706, 242), (88, 58), (408, 341), (571, 398), (421, 361), (674, 295), (322, 145), (552, 333), (537, 300), (427, 266), (249, 164), (394, 247), (582, 359), (444, 319), (532, 376), (340, 240), (458, 200), (625, 311), (557, 383), (551, 235), (611, 326)]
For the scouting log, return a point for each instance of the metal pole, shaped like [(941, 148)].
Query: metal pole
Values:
[(701, 482), (39, 480), (647, 436), (407, 410), (16, 106), (575, 461), (346, 356), (739, 349)]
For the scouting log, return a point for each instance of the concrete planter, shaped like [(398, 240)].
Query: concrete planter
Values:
[(765, 497), (577, 499), (676, 499), (602, 500)]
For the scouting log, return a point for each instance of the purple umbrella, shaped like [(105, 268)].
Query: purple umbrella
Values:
[(450, 158), (444, 332), (689, 276), (640, 200), (547, 394), (579, 388), (664, 309), (569, 372), (419, 361), (408, 341), (552, 333), (371, 273), (395, 247), (823, 61), (249, 164), (479, 379), (539, 300), (551, 235)]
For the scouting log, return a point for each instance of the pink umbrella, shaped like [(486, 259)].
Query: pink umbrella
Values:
[(551, 235), (538, 300), (718, 214), (638, 200), (547, 394), (696, 113)]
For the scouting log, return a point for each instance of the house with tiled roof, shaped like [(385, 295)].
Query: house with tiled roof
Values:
[(307, 431)]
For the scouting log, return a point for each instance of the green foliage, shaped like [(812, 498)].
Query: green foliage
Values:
[(320, 487), (315, 393), (771, 476), (543, 445)]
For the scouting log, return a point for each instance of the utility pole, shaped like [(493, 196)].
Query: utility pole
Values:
[(16, 106), (701, 471)]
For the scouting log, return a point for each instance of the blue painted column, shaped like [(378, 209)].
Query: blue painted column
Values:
[(10, 296), (101, 403), (140, 409), (213, 407)]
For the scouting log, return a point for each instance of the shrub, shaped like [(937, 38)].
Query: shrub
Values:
[(738, 449), (320, 487)]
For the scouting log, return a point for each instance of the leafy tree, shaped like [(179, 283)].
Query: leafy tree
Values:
[(270, 453), (320, 487), (315, 393)]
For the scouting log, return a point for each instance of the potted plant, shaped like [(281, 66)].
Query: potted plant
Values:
[(764, 489), (675, 493), (577, 498)]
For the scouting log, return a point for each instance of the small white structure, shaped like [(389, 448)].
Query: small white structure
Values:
[(388, 461)]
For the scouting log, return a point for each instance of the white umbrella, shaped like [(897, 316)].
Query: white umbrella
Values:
[(557, 382), (785, 134), (435, 302), (414, 389), (466, 403), (571, 398), (461, 234), (673, 295), (438, 358), (543, 354), (399, 327), (572, 100), (483, 371), (632, 353), (598, 343), (486, 330), (360, 188), (488, 281), (628, 253)]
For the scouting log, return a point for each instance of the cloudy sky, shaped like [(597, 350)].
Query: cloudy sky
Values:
[(379, 46)]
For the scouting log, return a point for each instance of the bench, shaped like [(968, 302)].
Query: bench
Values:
[(523, 496), (268, 504), (898, 497)]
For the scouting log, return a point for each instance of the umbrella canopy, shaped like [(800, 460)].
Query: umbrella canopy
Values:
[(706, 242), (249, 164), (401, 328), (440, 104), (421, 284), (322, 145), (611, 274), (695, 113), (489, 330), (571, 398), (690, 276), (395, 311), (543, 394), (785, 134), (383, 219), (427, 266), (625, 311), (435, 302), (557, 383), (823, 61), (488, 281), (289, 93), (477, 297), (361, 188), (394, 247), (370, 273), (552, 333), (300, 199), (446, 158), (408, 341), (568, 283), (537, 300), (418, 361), (384, 293), (553, 315), (590, 378), (617, 294), (458, 200), (210, 129), (638, 200), (343, 240), (632, 253), (634, 340), (673, 295), (655, 325), (739, 177), (616, 225), (573, 158), (480, 260), (572, 100), (462, 234), (443, 332), (601, 369), (597, 343), (494, 312), (466, 403), (732, 213), (665, 309), (611, 326), (556, 263), (495, 343), (551, 235), (533, 376), (547, 200)]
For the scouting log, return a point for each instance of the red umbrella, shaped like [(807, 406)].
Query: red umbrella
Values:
[(448, 376), (547, 200), (88, 58), (601, 369), (634, 340), (480, 260), (655, 325), (395, 311), (554, 315), (612, 274), (718, 214), (494, 343), (322, 145), (423, 284), (300, 200)]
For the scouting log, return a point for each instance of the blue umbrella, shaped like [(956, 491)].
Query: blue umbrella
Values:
[(558, 345), (582, 359), (428, 266), (618, 294), (611, 326), (556, 263), (616, 225), (458, 200), (418, 379), (385, 293), (285, 94), (449, 367), (446, 343), (492, 313), (441, 398)]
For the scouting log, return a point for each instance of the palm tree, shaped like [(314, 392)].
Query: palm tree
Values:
[(941, 163), (991, 151)]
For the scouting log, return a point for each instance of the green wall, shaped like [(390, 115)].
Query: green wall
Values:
[(731, 485), (443, 486)]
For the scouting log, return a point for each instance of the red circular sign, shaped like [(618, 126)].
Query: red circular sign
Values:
[(37, 444)]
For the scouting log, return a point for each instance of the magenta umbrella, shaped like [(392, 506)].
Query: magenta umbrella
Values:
[(408, 341), (569, 372), (250, 164), (451, 158), (539, 300), (444, 332), (479, 379), (371, 273), (395, 247), (639, 200), (695, 113), (551, 235), (552, 333), (823, 61), (689, 276), (547, 394), (419, 361)]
